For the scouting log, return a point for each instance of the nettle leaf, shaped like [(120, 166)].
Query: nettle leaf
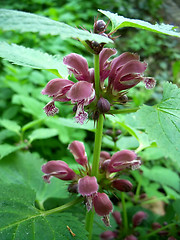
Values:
[(20, 219), (10, 125), (120, 22), (162, 175), (28, 57), (162, 121), (6, 149), (24, 168), (42, 133), (28, 22)]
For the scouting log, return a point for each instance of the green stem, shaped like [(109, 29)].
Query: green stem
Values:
[(97, 144), (125, 219), (96, 75), (119, 111), (158, 230), (63, 207)]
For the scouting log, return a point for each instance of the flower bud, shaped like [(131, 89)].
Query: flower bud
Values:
[(123, 99), (118, 132), (122, 185), (87, 185), (78, 151), (138, 218), (117, 217), (102, 204), (108, 235), (99, 26), (58, 169), (131, 237), (73, 188), (109, 132), (103, 105)]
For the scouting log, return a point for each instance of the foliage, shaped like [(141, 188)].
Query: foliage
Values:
[(32, 209)]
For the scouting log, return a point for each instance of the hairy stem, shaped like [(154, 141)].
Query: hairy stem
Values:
[(125, 219), (97, 144)]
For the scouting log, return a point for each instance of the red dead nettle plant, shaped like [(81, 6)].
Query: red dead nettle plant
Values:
[(92, 97)]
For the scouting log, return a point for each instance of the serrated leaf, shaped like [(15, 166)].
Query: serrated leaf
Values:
[(10, 125), (25, 169), (19, 219), (163, 176), (28, 22), (42, 133), (28, 57), (162, 122), (120, 21)]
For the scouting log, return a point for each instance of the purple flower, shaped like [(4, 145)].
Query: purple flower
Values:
[(58, 169), (78, 66), (78, 151), (122, 160), (62, 90), (88, 186), (138, 218), (103, 206)]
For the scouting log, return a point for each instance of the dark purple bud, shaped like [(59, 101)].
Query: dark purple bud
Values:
[(103, 105), (118, 132), (138, 218), (99, 26), (156, 225), (123, 99), (131, 237), (108, 235), (117, 217), (73, 188), (122, 185), (143, 195), (109, 132)]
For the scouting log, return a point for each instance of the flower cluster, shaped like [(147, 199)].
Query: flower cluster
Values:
[(137, 219), (88, 186), (123, 72)]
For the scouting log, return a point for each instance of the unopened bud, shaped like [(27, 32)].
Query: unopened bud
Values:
[(109, 132), (138, 218), (123, 99), (118, 132), (122, 185), (103, 105), (99, 26), (108, 235), (117, 217)]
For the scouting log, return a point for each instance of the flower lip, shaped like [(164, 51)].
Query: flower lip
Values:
[(87, 185), (55, 86), (81, 91)]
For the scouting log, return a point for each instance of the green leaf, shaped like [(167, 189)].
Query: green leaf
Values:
[(42, 133), (163, 176), (6, 149), (19, 219), (25, 169), (28, 22), (10, 125), (120, 22), (162, 122), (32, 58)]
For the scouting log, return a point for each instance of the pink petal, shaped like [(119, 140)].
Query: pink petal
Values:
[(81, 91), (78, 151), (87, 185), (55, 86), (104, 55)]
